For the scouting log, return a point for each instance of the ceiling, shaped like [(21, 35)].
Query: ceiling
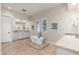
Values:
[(32, 8)]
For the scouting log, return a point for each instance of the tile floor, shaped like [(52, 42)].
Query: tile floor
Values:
[(0, 48), (26, 47)]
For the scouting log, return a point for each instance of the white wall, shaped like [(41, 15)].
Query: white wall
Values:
[(0, 23), (0, 28), (62, 16)]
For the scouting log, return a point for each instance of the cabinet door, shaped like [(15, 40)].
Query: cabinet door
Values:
[(27, 34), (15, 35)]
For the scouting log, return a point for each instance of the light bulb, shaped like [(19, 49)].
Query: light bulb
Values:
[(9, 8)]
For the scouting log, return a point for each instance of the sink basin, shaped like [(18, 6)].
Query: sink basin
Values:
[(37, 40)]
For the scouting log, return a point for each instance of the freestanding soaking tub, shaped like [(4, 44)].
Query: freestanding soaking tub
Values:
[(37, 40)]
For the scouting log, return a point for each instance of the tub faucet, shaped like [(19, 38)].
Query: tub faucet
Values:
[(39, 34)]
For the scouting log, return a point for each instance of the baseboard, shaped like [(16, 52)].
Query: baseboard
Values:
[(15, 40), (22, 39), (4, 42)]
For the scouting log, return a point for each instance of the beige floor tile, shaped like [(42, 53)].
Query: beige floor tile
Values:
[(26, 47)]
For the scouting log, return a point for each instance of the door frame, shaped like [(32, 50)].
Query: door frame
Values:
[(11, 28)]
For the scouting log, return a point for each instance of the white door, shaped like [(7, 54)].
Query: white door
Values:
[(6, 29)]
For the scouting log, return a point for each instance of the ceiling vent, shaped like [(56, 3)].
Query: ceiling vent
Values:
[(24, 10)]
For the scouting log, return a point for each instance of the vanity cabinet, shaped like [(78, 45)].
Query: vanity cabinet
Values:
[(20, 34), (21, 29)]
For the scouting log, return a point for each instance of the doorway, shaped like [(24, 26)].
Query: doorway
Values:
[(6, 29)]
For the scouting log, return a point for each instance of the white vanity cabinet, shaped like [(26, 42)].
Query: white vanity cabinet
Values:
[(21, 29), (26, 34), (20, 34)]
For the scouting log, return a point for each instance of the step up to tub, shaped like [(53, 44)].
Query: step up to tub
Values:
[(37, 46)]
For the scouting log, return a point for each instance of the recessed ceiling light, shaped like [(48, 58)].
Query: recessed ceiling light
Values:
[(9, 8), (74, 4)]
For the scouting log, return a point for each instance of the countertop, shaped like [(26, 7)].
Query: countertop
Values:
[(69, 42), (21, 31)]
